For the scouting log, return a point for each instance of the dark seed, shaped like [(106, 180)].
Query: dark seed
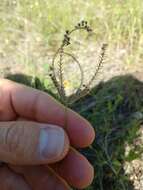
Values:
[(82, 22), (67, 31)]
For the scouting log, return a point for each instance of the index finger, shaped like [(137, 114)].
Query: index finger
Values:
[(18, 100)]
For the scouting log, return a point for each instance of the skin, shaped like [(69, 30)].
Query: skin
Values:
[(26, 109)]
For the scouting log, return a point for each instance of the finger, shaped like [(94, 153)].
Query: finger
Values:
[(41, 178), (75, 169), (19, 100), (26, 142), (11, 181)]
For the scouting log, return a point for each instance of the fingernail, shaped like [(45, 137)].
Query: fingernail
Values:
[(51, 143)]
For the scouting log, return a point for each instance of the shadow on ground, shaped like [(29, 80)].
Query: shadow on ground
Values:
[(115, 109)]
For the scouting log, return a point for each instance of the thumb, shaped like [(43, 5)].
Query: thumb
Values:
[(26, 142)]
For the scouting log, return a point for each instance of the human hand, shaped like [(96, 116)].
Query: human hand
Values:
[(34, 146)]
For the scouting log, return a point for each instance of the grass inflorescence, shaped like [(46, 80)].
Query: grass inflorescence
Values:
[(56, 71)]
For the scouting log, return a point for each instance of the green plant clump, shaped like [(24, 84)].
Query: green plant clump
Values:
[(116, 117)]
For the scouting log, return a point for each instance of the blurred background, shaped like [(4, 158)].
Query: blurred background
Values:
[(31, 31)]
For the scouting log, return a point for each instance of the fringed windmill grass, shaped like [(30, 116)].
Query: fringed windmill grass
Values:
[(58, 78)]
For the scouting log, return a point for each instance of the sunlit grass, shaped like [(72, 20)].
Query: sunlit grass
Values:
[(30, 28)]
